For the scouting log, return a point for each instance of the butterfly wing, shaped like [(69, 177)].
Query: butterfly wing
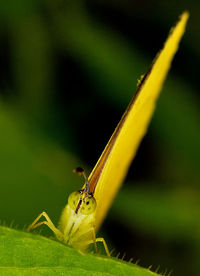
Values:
[(111, 168)]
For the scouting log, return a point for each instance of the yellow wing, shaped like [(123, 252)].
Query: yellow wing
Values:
[(112, 166)]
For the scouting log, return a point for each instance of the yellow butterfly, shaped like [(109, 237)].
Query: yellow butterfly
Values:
[(86, 209)]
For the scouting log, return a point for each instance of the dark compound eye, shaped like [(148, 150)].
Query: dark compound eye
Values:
[(89, 206), (73, 199)]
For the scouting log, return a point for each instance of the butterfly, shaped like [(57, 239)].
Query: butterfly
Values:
[(87, 208)]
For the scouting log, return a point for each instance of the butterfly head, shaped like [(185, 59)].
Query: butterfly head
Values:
[(82, 201)]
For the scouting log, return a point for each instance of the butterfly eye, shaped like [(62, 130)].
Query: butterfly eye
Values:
[(88, 206), (73, 199)]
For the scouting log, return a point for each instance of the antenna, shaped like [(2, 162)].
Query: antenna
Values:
[(80, 171)]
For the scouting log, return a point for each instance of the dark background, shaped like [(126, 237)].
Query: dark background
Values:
[(67, 72)]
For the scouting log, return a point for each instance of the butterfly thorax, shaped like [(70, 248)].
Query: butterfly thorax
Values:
[(77, 220)]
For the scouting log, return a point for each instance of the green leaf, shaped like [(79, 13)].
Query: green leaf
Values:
[(23, 253)]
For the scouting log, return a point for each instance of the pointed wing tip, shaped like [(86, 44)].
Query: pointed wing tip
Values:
[(178, 29), (185, 14), (184, 17)]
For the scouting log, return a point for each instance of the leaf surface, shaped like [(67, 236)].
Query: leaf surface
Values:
[(28, 254)]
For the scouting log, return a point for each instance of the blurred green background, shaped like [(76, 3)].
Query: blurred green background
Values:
[(68, 69)]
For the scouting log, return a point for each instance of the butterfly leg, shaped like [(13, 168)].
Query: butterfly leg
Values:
[(47, 222), (104, 244), (95, 240)]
